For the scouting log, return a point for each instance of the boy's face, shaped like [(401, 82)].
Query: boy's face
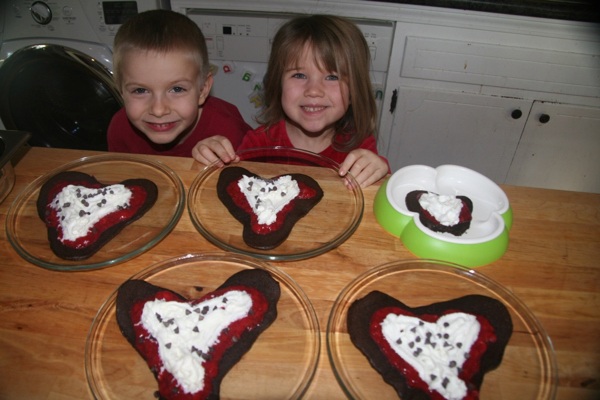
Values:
[(163, 93)]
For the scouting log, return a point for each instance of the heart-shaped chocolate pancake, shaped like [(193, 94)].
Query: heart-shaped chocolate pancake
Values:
[(446, 207), (190, 345), (83, 214), (438, 351), (267, 208)]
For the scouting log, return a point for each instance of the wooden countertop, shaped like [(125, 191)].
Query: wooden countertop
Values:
[(552, 265)]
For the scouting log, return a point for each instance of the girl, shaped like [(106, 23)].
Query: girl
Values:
[(318, 97)]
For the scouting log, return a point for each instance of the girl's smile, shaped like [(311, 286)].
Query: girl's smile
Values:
[(313, 100)]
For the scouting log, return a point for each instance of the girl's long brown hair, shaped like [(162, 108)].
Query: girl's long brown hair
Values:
[(338, 46)]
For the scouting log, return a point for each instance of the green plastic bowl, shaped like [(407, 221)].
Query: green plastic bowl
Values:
[(483, 243)]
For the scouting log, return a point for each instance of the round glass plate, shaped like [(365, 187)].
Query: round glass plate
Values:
[(528, 369), (28, 234), (280, 364), (326, 226)]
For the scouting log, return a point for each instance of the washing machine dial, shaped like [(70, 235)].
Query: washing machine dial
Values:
[(41, 12)]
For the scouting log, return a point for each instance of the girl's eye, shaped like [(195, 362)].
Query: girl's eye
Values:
[(139, 91), (299, 75), (332, 77)]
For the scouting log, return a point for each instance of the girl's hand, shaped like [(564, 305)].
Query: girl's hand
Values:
[(214, 149), (366, 167)]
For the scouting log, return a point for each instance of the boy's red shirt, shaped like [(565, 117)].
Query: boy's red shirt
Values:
[(218, 118)]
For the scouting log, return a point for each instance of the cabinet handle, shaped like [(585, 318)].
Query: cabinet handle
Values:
[(394, 100), (544, 118), (516, 114)]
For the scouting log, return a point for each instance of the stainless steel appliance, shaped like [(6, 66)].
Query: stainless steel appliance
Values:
[(56, 68)]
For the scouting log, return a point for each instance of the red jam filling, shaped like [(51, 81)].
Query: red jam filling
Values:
[(137, 200), (148, 346), (469, 368), (239, 198)]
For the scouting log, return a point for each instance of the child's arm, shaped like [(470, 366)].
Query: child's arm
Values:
[(214, 148), (366, 166)]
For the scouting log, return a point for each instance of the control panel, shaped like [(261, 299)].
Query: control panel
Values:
[(247, 37), (81, 20)]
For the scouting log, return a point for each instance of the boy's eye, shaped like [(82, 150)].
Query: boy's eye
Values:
[(178, 89), (139, 91)]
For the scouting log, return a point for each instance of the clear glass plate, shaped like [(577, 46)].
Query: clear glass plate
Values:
[(333, 220), (280, 364), (27, 233), (528, 369)]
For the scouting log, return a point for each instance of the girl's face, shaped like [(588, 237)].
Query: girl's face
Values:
[(163, 93), (313, 100)]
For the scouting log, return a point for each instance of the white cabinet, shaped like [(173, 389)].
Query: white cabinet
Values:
[(471, 88), (476, 131), (559, 148)]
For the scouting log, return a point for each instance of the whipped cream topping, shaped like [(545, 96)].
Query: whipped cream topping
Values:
[(186, 332), (79, 208), (445, 209), (437, 351), (268, 197)]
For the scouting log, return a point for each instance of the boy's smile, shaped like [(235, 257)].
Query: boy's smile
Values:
[(163, 93)]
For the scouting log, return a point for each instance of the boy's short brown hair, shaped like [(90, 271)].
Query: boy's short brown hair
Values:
[(160, 31)]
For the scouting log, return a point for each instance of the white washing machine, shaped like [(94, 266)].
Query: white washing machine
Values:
[(56, 68)]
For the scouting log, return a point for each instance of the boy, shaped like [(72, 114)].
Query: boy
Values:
[(162, 70)]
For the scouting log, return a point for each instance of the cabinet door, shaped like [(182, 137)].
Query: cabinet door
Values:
[(560, 149), (475, 131)]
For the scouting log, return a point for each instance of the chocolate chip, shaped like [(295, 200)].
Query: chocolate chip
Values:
[(445, 382), (168, 345), (452, 364)]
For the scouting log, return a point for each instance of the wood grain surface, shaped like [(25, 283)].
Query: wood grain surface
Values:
[(552, 265)]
